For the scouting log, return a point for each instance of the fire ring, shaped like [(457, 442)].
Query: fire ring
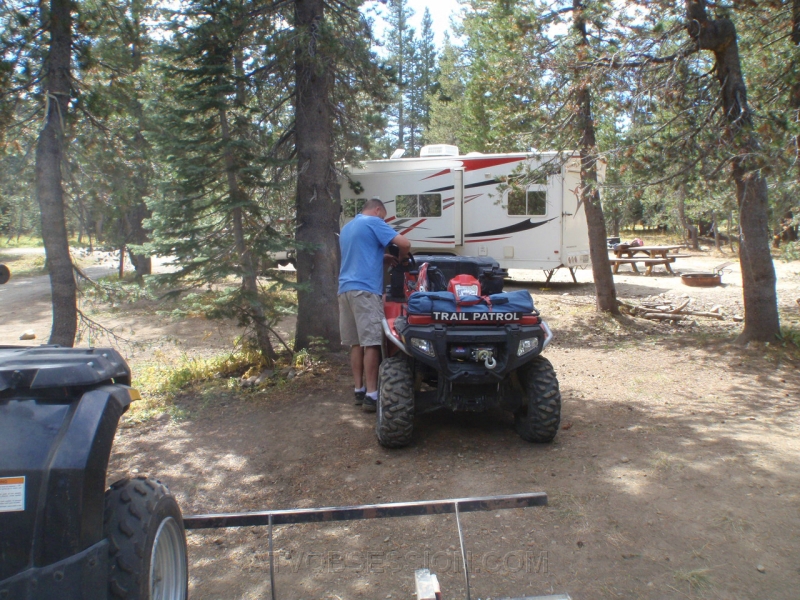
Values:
[(701, 279)]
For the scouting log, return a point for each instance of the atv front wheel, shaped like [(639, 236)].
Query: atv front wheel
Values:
[(395, 424), (147, 542), (538, 421)]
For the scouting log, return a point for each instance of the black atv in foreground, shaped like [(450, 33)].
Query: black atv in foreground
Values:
[(63, 534), (453, 339)]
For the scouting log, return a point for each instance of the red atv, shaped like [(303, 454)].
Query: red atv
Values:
[(453, 339)]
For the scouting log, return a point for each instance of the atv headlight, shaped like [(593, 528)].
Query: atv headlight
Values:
[(527, 345), (424, 346)]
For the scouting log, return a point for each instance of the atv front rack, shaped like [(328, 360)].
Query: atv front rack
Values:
[(272, 518)]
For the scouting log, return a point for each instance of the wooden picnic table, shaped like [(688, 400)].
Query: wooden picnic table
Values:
[(651, 256), (625, 250)]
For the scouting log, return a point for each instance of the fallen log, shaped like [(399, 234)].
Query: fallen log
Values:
[(660, 316), (681, 307), (700, 313)]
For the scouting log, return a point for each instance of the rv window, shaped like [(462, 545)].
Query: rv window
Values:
[(406, 206), (430, 205), (352, 206), (516, 202), (423, 205), (537, 203), (527, 203)]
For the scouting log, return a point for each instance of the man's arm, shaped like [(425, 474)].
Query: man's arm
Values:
[(403, 245)]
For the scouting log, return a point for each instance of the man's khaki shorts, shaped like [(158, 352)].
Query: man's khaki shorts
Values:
[(360, 317)]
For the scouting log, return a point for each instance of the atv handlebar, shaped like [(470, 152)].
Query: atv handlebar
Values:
[(410, 263)]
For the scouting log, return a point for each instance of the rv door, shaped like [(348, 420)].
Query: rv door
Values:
[(458, 207)]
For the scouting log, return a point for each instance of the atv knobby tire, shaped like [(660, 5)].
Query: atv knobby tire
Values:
[(395, 422), (538, 420), (147, 542)]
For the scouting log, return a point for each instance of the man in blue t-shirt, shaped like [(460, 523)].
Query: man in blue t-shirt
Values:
[(363, 241)]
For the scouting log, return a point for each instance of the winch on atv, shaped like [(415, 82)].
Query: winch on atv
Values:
[(454, 339)]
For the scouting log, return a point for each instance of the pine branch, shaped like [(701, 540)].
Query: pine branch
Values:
[(280, 339), (87, 324), (616, 63)]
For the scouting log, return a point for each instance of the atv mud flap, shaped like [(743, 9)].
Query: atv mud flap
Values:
[(84, 576)]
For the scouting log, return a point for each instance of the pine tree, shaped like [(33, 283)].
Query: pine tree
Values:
[(57, 93), (401, 48), (216, 145), (317, 200), (423, 84), (19, 67), (337, 91), (718, 35), (606, 297), (112, 153), (529, 87), (447, 102)]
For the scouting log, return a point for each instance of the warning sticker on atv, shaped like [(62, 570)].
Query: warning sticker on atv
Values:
[(476, 317), (12, 494)]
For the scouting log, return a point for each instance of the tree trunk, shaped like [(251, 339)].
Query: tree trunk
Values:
[(761, 322), (606, 293), (691, 230), (137, 233), (795, 98), (317, 202), (694, 237), (49, 192), (401, 126), (249, 278), (81, 217), (250, 287), (99, 225)]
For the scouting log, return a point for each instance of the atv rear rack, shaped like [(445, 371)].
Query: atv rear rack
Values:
[(272, 518)]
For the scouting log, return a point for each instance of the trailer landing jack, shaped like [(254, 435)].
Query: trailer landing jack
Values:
[(550, 272)]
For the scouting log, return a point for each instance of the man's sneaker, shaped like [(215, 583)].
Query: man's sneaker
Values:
[(369, 405), (360, 398)]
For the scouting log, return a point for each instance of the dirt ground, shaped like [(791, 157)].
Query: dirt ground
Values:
[(674, 474)]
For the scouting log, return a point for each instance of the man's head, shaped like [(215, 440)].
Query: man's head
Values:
[(374, 208)]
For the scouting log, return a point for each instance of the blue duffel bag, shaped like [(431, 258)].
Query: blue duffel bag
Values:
[(516, 301), (425, 303)]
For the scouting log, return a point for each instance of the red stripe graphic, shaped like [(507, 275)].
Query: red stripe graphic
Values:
[(445, 172), (473, 164), (413, 226)]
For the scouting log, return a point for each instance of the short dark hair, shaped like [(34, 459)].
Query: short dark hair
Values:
[(373, 203)]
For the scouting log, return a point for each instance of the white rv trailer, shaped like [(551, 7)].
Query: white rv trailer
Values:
[(448, 203)]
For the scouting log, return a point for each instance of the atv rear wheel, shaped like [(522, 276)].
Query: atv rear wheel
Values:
[(538, 421), (147, 542), (395, 423)]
